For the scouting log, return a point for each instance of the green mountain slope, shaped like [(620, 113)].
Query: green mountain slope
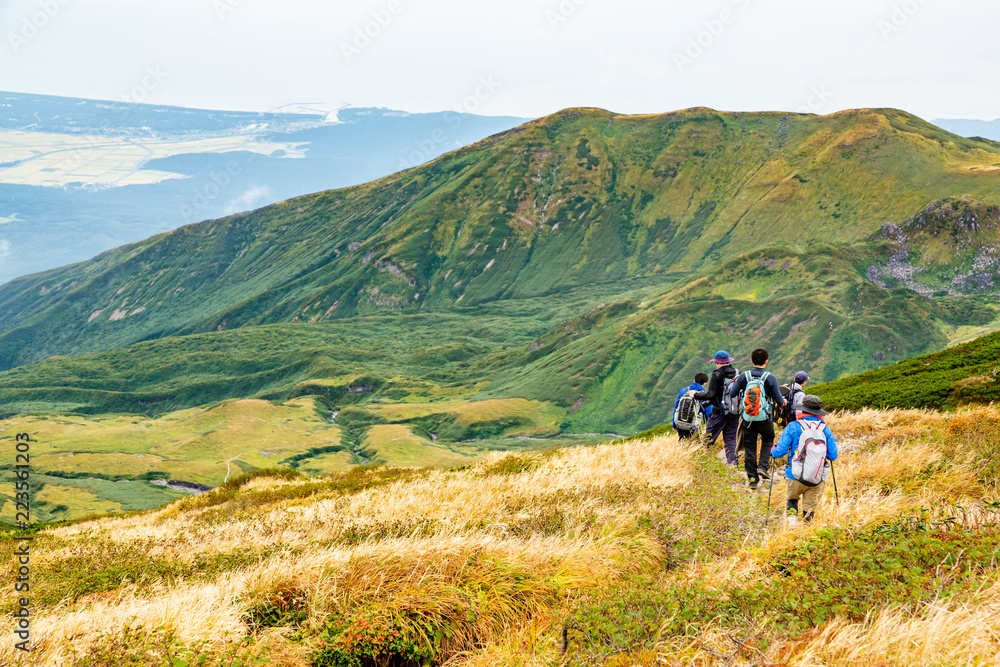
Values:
[(956, 376), (615, 367), (581, 198), (588, 261)]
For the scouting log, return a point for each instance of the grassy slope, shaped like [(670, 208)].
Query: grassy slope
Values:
[(962, 374), (583, 197), (618, 555), (624, 356)]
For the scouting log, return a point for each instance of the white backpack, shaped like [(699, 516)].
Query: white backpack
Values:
[(809, 460), (687, 415)]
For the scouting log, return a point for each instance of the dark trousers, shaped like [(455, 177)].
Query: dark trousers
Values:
[(684, 435), (727, 425), (765, 429)]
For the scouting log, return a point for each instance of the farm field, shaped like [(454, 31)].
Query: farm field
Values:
[(107, 463), (57, 160)]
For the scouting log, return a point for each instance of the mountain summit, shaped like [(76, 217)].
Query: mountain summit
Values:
[(592, 257)]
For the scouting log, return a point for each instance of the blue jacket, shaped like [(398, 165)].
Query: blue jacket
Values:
[(790, 440), (705, 409)]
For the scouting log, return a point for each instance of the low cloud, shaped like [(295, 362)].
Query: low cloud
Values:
[(251, 199)]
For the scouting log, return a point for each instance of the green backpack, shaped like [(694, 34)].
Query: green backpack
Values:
[(756, 405)]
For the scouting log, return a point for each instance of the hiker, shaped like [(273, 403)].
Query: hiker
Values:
[(689, 416), (793, 392), (809, 445), (725, 418), (759, 396), (798, 391)]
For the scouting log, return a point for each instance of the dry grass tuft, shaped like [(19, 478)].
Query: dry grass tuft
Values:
[(963, 634), (870, 422)]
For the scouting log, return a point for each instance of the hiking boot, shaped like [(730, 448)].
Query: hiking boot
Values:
[(764, 476), (753, 483)]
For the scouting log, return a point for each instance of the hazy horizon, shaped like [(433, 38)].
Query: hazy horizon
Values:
[(531, 58)]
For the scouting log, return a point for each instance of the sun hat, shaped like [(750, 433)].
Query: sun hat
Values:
[(802, 377), (722, 357), (813, 405)]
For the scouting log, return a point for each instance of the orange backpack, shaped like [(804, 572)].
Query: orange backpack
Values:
[(756, 406)]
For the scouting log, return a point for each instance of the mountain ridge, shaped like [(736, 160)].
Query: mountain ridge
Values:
[(392, 269), (607, 252)]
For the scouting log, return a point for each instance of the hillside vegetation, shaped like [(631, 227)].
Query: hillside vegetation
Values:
[(557, 282), (957, 376), (580, 199), (640, 553)]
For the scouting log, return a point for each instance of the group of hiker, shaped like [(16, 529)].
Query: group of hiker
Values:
[(742, 407)]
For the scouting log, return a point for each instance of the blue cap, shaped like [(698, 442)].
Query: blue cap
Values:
[(722, 357)]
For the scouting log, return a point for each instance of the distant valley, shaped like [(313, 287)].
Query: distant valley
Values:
[(78, 177)]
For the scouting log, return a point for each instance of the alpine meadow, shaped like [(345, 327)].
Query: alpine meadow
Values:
[(428, 417)]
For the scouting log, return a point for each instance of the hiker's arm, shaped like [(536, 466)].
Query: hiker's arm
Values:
[(708, 394), (831, 446), (785, 442)]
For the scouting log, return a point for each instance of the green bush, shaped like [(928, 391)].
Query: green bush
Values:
[(961, 374), (375, 637), (836, 574)]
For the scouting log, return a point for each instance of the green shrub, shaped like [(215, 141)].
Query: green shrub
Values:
[(835, 574), (374, 636), (962, 374), (286, 606)]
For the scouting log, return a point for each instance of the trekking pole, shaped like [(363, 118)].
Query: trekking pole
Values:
[(770, 488), (836, 494)]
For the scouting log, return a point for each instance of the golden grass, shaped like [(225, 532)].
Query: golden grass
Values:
[(452, 500), (420, 544), (469, 514), (870, 422), (953, 634), (940, 635), (419, 573)]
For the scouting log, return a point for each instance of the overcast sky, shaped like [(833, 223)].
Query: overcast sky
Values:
[(935, 58)]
